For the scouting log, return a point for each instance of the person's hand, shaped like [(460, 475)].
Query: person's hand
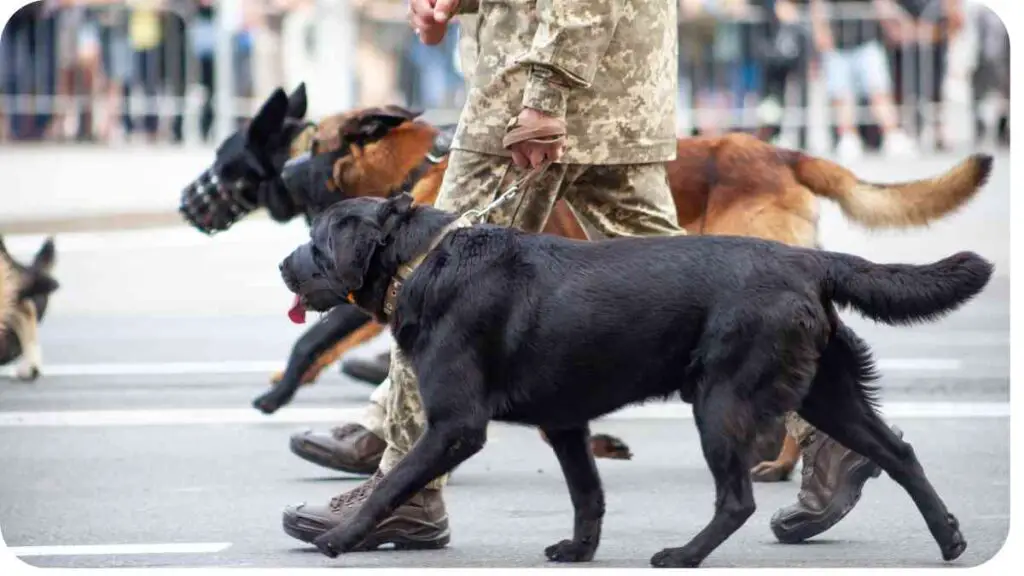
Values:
[(535, 137), (429, 18)]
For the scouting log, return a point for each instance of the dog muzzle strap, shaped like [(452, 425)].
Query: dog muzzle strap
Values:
[(211, 205)]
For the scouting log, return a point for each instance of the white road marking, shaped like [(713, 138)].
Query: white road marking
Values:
[(297, 415), (254, 232), (164, 368), (262, 367), (121, 549)]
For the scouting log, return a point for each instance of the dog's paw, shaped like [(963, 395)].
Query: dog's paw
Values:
[(267, 403), (772, 471), (276, 378), (569, 551), (956, 544), (610, 447), (28, 373), (674, 558), (338, 541), (326, 547)]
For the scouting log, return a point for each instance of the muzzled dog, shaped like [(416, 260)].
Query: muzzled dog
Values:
[(24, 296), (507, 326), (245, 174)]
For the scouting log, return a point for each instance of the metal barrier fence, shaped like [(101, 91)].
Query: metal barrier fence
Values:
[(157, 70)]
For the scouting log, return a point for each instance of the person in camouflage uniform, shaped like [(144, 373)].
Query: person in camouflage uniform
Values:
[(620, 131), (602, 71)]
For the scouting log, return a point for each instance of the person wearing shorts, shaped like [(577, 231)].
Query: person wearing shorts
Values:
[(855, 64)]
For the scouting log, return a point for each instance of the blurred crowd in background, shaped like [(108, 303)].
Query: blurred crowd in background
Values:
[(143, 70)]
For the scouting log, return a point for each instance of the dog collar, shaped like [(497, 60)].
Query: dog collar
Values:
[(406, 270)]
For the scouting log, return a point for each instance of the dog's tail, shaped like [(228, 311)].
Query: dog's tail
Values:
[(895, 205), (904, 293)]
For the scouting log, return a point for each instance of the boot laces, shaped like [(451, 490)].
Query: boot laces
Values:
[(356, 494)]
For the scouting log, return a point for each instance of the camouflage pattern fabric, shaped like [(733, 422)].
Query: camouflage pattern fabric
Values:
[(608, 67), (616, 201), (798, 428), (376, 411)]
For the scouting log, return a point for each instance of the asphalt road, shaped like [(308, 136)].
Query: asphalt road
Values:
[(139, 438)]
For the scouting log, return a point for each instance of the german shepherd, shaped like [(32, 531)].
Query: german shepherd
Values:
[(24, 295), (734, 184)]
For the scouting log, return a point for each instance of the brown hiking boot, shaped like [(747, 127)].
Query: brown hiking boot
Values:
[(348, 448), (833, 477), (419, 524)]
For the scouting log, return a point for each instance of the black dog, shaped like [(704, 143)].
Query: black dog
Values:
[(503, 325)]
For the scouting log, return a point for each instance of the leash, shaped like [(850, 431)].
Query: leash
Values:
[(509, 193)]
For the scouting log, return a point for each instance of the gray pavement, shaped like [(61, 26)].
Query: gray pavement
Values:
[(140, 432)]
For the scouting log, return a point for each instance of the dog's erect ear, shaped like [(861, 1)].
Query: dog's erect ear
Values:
[(43, 285), (297, 103), (352, 243), (270, 118), (46, 256), (375, 123)]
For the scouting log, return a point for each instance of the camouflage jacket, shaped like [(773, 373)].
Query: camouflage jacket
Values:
[(607, 66)]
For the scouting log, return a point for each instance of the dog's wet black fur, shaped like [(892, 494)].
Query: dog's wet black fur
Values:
[(503, 325)]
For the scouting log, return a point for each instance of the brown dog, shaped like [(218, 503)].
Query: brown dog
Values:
[(729, 185)]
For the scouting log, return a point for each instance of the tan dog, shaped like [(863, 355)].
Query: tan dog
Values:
[(24, 296)]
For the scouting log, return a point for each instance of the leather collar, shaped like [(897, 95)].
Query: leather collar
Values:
[(405, 270)]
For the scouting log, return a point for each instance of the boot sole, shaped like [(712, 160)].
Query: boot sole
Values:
[(425, 539), (311, 452)]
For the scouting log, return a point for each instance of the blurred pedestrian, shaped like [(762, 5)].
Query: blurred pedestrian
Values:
[(854, 62), (919, 36), (991, 75)]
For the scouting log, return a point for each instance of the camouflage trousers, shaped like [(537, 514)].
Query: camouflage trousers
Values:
[(614, 200), (797, 427)]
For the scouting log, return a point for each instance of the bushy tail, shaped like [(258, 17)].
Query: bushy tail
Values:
[(896, 205), (904, 293)]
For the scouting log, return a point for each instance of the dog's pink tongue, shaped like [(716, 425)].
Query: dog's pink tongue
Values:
[(297, 312)]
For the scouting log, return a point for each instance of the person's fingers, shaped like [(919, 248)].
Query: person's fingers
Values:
[(444, 9), (421, 19), (537, 155), (433, 34), (520, 160), (421, 8)]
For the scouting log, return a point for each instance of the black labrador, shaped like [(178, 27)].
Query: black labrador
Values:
[(523, 328)]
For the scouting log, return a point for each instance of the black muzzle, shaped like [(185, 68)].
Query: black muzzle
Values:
[(211, 205)]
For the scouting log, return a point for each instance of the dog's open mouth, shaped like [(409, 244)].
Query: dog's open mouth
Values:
[(297, 313)]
